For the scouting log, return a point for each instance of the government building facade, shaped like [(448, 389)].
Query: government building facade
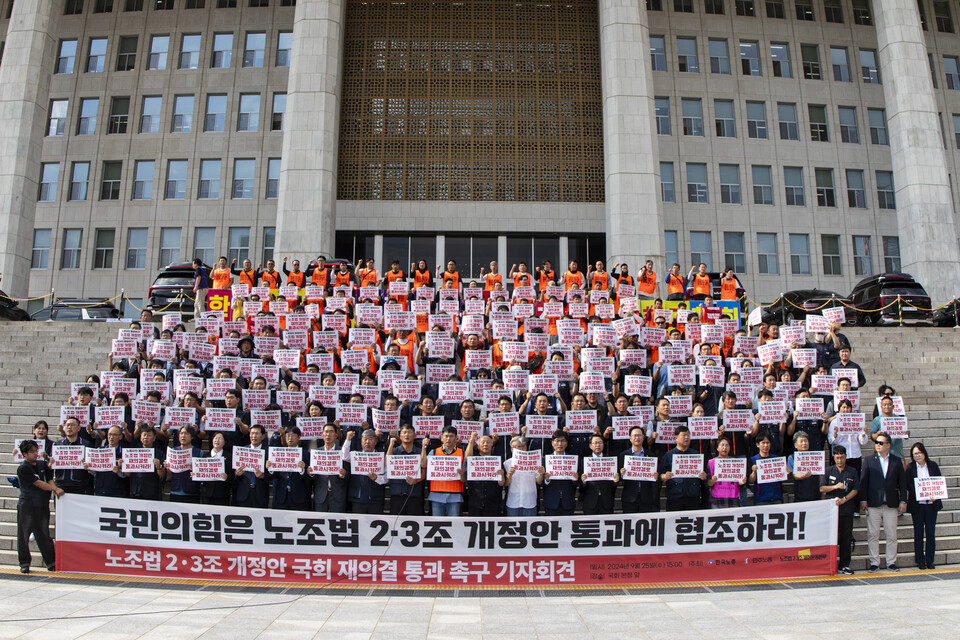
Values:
[(803, 143)]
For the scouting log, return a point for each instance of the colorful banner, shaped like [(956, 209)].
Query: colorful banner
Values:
[(176, 540), (220, 300)]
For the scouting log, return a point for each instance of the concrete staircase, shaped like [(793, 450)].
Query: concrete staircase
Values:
[(38, 361)]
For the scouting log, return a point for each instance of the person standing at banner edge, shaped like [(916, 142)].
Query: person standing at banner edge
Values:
[(33, 507), (201, 282)]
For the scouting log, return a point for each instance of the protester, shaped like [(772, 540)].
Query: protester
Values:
[(33, 507), (923, 512)]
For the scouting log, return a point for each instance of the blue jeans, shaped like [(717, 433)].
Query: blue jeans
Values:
[(445, 509), (514, 512)]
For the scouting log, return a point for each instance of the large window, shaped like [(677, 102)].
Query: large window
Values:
[(811, 62), (169, 246), (724, 119), (239, 238), (79, 179), (941, 9), (531, 251), (49, 175), (885, 192), (40, 256), (818, 123), (190, 52), (273, 178), (176, 188), (127, 53), (204, 244), (750, 58), (119, 115), (658, 53), (150, 115), (780, 54), (104, 241), (662, 106), (67, 56), (793, 186), (767, 261), (284, 45), (243, 178), (891, 254), (826, 196), (182, 114), (57, 122), (757, 120), (787, 117), (70, 255), (97, 55), (143, 180), (222, 51), (729, 184), (878, 126), (687, 55), (805, 10), (700, 249), (856, 191), (869, 69), (671, 251), (762, 184), (719, 56), (216, 115), (159, 48), (253, 49), (667, 183), (470, 254), (87, 124), (279, 110), (848, 125), (136, 248), (861, 12), (249, 117), (951, 68), (112, 177), (269, 242), (734, 254), (697, 183), (799, 254), (209, 180), (830, 247), (841, 65), (692, 110), (833, 11), (862, 259)]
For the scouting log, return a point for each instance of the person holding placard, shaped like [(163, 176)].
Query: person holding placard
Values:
[(764, 492), (33, 507), (806, 487), (814, 429), (923, 511), (597, 495), (112, 483), (365, 492), (148, 485), (251, 487), (71, 480), (485, 497), (218, 492), (638, 496), (330, 490), (851, 443), (841, 483), (682, 493), (560, 493), (291, 489), (521, 485), (883, 493), (886, 411), (724, 494), (182, 486), (446, 496), (406, 494), (846, 363)]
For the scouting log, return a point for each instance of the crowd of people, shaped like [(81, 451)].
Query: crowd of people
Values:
[(342, 389)]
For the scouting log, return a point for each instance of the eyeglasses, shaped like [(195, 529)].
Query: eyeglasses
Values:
[(882, 442)]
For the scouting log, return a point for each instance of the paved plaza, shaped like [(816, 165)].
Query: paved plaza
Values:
[(909, 604)]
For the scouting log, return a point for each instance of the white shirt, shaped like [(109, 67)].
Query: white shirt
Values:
[(884, 463), (923, 471), (522, 492)]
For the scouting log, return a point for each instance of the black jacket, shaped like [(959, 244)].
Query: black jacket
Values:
[(934, 469), (874, 487)]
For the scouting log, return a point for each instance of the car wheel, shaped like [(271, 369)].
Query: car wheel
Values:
[(864, 320)]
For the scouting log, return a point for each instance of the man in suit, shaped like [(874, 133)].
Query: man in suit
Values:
[(559, 494), (883, 492), (598, 495), (638, 496), (250, 486)]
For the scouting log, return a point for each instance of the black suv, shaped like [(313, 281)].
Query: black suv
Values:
[(798, 303), (903, 298), (174, 287)]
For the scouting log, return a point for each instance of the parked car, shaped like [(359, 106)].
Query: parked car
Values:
[(904, 299), (172, 290), (797, 304), (947, 316), (78, 309), (10, 310)]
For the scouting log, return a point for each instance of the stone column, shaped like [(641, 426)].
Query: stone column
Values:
[(925, 218), (28, 59), (306, 205), (630, 153)]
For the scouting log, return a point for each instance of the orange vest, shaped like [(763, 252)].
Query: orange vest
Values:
[(649, 285), (701, 285), (600, 280), (728, 289), (320, 277), (421, 279), (342, 278), (627, 280), (394, 276), (247, 277), (516, 278), (221, 278), (675, 284), (492, 280), (547, 277), (270, 280), (368, 278), (455, 276), (447, 486), (572, 279), (295, 278)]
